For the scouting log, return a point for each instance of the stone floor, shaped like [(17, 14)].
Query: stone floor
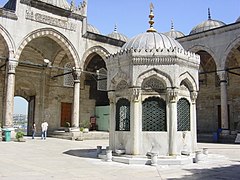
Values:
[(59, 159)]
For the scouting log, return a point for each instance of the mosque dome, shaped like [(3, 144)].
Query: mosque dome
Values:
[(207, 25), (152, 40), (174, 33), (238, 20), (93, 29), (118, 36)]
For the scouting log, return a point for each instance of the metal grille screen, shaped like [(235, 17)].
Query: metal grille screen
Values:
[(154, 114), (123, 115), (183, 115)]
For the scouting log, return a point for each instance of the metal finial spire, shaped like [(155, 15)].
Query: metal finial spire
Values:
[(115, 28), (209, 14), (172, 26), (151, 21)]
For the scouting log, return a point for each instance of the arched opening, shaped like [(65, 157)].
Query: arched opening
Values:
[(94, 96), (233, 69), (20, 115), (208, 100), (44, 83)]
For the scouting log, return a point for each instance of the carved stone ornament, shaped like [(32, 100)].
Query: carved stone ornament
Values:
[(76, 75), (222, 76), (172, 95), (12, 64), (135, 94), (194, 95)]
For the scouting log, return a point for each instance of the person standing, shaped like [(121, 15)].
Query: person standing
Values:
[(33, 130), (44, 129)]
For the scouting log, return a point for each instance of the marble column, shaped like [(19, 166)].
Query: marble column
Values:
[(172, 96), (11, 65), (224, 104), (135, 118), (112, 119), (76, 98), (193, 120)]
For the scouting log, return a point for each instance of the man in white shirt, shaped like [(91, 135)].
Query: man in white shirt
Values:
[(44, 129)]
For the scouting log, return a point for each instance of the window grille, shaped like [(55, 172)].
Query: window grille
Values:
[(153, 84), (183, 115), (123, 115), (154, 114), (68, 78), (102, 80)]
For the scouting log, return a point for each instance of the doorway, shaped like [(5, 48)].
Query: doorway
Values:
[(20, 114)]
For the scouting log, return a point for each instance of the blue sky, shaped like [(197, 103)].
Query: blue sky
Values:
[(131, 16)]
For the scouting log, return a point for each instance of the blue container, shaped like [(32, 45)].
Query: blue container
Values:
[(7, 135), (215, 137)]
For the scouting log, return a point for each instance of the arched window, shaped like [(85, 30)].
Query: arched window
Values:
[(102, 80), (183, 115), (154, 114), (123, 115), (68, 78)]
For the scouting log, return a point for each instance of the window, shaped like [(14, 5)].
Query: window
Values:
[(68, 78), (154, 114), (123, 115), (183, 115)]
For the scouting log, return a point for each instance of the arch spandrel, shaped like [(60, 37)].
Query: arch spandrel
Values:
[(59, 38)]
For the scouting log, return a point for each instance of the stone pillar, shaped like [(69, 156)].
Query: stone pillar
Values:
[(9, 96), (112, 119), (135, 118), (224, 104), (193, 121), (76, 98), (172, 96)]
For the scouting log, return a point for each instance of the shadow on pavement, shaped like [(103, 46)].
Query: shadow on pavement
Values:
[(85, 153), (219, 173)]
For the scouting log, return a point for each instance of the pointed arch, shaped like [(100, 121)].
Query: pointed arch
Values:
[(57, 37), (9, 41), (165, 78), (188, 80), (232, 45), (102, 52)]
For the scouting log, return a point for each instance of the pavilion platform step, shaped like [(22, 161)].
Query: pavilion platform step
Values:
[(91, 135)]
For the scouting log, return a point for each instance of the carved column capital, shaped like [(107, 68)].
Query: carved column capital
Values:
[(222, 76), (112, 97), (76, 74), (194, 95), (135, 93), (11, 65), (172, 95)]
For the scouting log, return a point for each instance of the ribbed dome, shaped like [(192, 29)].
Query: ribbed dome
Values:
[(174, 33), (117, 35), (238, 20), (207, 25), (91, 28), (151, 40)]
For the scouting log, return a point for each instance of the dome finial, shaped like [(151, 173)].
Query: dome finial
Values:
[(151, 21), (209, 14), (115, 28), (172, 26)]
